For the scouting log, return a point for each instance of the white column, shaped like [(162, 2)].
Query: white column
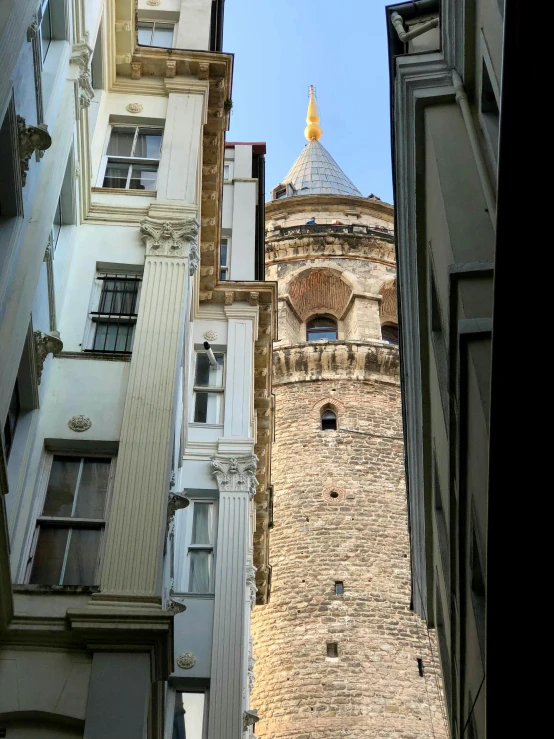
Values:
[(194, 25), (181, 157), (242, 332), (132, 567), (237, 487)]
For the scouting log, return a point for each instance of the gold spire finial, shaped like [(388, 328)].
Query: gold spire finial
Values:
[(313, 130)]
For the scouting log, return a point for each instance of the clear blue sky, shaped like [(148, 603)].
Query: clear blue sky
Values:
[(283, 46)]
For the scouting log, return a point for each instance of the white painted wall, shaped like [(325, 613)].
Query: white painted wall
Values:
[(194, 25)]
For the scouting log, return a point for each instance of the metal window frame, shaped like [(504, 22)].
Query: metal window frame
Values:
[(161, 23), (67, 521), (328, 318), (129, 160), (96, 317), (206, 388)]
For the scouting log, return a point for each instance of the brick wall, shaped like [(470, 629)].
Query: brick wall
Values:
[(374, 688)]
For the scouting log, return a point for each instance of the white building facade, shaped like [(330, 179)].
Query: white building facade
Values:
[(135, 464)]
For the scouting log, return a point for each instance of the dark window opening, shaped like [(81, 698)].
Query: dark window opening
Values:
[(333, 494), (489, 108), (339, 588), (328, 421), (478, 594), (332, 650), (389, 333), (320, 328), (11, 204), (11, 421), (280, 192)]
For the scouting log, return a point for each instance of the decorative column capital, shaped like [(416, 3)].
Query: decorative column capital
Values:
[(236, 474), (171, 239)]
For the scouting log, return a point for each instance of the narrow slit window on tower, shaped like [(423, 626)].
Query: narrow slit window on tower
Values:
[(332, 650), (339, 587), (328, 421)]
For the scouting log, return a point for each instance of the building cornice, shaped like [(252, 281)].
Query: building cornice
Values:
[(329, 246), (322, 203)]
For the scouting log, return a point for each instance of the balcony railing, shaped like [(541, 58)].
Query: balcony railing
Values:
[(309, 229)]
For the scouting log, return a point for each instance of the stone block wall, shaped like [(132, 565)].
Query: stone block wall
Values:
[(340, 516)]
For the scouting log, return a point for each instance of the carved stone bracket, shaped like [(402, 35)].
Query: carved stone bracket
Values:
[(250, 718), (174, 606), (236, 474), (46, 344), (171, 238), (176, 502), (251, 584), (31, 139), (81, 55)]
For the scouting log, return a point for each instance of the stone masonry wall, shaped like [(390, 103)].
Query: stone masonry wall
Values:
[(374, 688)]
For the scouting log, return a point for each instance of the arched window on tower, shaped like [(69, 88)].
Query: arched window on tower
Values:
[(321, 327), (389, 332), (328, 421)]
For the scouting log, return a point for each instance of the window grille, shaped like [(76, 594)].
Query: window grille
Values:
[(115, 318)]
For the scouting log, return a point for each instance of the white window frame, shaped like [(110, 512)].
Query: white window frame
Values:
[(161, 23), (182, 546), (94, 318), (209, 389), (106, 158), (227, 172), (77, 523), (225, 269)]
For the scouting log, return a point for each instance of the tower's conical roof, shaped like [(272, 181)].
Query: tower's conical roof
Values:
[(315, 172)]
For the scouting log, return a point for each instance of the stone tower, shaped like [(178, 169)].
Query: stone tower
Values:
[(338, 653)]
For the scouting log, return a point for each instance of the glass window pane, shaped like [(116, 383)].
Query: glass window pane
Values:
[(145, 33), (49, 556), (116, 175), (121, 142), (206, 375), (80, 568), (202, 523), (148, 144), (223, 274), (314, 335), (163, 35), (200, 571), (223, 252), (61, 486), (143, 177), (46, 30), (91, 497), (207, 407), (188, 719)]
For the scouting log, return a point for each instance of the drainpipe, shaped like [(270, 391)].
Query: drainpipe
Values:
[(405, 36), (461, 99)]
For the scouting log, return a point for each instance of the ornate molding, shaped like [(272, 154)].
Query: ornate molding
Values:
[(79, 423), (251, 584), (210, 335), (174, 606), (45, 344), (134, 108), (81, 55), (32, 31), (31, 139), (236, 474), (186, 661), (171, 238), (153, 2), (176, 502)]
